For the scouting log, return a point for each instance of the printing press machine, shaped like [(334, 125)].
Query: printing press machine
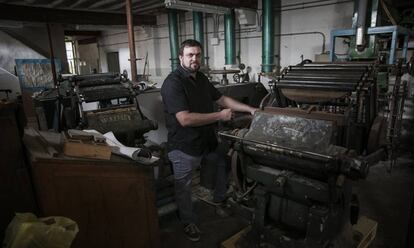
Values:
[(117, 109), (318, 129)]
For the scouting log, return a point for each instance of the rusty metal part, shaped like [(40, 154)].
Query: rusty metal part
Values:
[(396, 107), (339, 119), (280, 149), (120, 119), (342, 64), (52, 56), (324, 78), (336, 69), (312, 96), (377, 133), (410, 66), (224, 71), (235, 169), (131, 40), (321, 83)]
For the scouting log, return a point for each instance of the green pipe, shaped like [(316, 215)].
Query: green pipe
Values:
[(230, 40), (173, 31), (198, 29), (268, 36)]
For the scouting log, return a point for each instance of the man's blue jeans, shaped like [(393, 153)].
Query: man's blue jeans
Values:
[(184, 165)]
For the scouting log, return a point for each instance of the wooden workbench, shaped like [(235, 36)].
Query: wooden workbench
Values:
[(112, 201)]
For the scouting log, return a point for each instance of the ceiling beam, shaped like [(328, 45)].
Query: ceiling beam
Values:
[(251, 4), (82, 33), (37, 14), (87, 41)]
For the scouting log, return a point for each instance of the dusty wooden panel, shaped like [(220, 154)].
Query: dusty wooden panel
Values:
[(78, 148), (39, 14), (16, 193), (113, 203)]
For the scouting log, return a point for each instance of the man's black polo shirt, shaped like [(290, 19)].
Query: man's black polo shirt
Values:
[(181, 92)]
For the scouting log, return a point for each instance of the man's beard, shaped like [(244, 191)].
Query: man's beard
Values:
[(190, 69)]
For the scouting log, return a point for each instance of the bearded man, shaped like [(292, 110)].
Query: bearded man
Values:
[(188, 98)]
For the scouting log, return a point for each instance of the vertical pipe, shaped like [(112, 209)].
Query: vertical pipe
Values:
[(268, 36), (131, 41), (206, 57), (361, 27), (56, 119), (277, 27), (198, 30), (52, 55), (230, 39), (391, 59), (173, 31), (332, 50), (405, 48)]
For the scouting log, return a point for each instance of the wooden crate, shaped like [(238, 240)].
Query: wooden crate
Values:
[(82, 149), (364, 233)]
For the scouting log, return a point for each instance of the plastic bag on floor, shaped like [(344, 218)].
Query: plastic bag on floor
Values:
[(26, 230)]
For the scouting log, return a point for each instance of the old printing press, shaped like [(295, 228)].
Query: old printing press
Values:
[(117, 107), (303, 147)]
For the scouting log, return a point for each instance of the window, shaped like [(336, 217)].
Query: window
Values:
[(70, 53)]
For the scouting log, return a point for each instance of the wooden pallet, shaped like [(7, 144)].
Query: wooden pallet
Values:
[(366, 228), (364, 233), (231, 242)]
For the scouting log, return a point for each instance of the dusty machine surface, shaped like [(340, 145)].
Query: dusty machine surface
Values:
[(117, 106), (318, 129)]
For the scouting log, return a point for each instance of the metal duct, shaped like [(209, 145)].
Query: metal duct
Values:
[(268, 37), (361, 28), (173, 31), (230, 39)]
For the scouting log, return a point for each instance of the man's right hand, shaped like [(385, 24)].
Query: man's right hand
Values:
[(226, 115)]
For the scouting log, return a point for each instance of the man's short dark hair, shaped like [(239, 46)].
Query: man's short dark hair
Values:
[(189, 43)]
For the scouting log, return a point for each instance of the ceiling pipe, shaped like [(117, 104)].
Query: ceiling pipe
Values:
[(131, 41), (230, 38), (198, 29), (173, 31)]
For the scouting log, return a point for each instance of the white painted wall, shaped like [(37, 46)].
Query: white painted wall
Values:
[(88, 53), (11, 49), (154, 40), (9, 81), (318, 19)]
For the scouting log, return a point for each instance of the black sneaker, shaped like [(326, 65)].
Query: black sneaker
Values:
[(192, 232), (223, 211), (217, 203)]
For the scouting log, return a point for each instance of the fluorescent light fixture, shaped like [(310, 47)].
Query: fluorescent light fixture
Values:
[(206, 8)]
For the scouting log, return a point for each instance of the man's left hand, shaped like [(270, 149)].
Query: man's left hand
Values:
[(253, 111)]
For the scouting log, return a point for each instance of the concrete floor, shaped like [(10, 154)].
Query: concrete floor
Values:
[(384, 197), (388, 197), (214, 228)]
